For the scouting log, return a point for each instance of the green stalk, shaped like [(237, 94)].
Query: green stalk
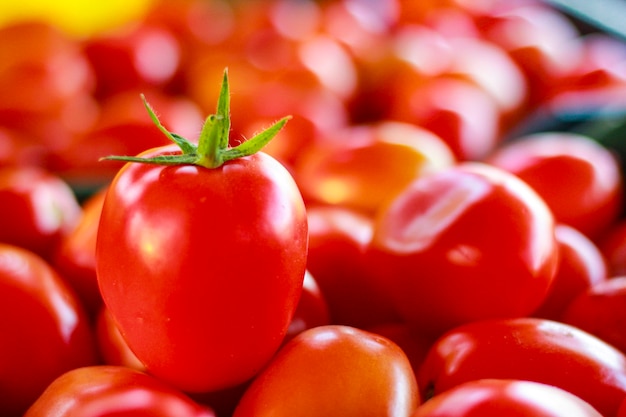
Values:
[(213, 148)]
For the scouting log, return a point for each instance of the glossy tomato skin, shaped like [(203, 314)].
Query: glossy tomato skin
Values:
[(38, 209), (45, 329), (510, 397), (105, 390), (581, 265), (531, 349), (468, 243), (601, 311), (333, 371), (579, 179), (202, 269)]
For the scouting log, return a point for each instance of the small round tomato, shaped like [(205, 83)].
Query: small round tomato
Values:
[(38, 209), (361, 167), (75, 257), (338, 238), (530, 349), (312, 310), (108, 391), (601, 311), (333, 371), (466, 243), (505, 397), (578, 178), (581, 265), (44, 328)]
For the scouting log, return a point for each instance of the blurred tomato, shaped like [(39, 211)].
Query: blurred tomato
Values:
[(44, 328), (108, 391), (38, 209), (531, 349), (75, 257), (579, 179), (581, 266), (333, 371), (363, 167), (601, 311), (312, 309), (613, 246), (466, 243), (338, 238), (505, 397), (111, 344)]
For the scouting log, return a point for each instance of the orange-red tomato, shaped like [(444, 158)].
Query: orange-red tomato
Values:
[(579, 179), (44, 327), (333, 371)]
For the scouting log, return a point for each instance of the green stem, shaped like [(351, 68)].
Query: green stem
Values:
[(213, 148)]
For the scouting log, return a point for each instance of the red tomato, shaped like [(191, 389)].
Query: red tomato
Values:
[(581, 265), (312, 310), (338, 238), (531, 349), (202, 266), (579, 179), (111, 345), (505, 397), (38, 209), (333, 371), (613, 247), (44, 328), (75, 258), (601, 311), (109, 391), (361, 167), (467, 243)]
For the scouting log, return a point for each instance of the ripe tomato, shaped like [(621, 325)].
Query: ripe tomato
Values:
[(601, 311), (531, 349), (581, 265), (333, 371), (38, 209), (75, 257), (112, 347), (466, 243), (613, 247), (200, 267), (103, 391), (505, 397), (338, 238), (44, 328), (578, 178), (312, 310), (361, 167)]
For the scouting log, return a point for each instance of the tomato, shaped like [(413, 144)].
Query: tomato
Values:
[(578, 178), (338, 238), (361, 167), (38, 209), (44, 328), (103, 391), (466, 243), (112, 347), (531, 349), (510, 397), (581, 265), (601, 311), (613, 246), (312, 310), (333, 371), (75, 256), (201, 266)]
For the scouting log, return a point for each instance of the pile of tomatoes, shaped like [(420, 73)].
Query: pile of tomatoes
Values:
[(311, 208)]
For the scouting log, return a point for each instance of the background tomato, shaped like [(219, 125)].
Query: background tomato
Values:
[(45, 329), (101, 391), (466, 243), (530, 349), (497, 397), (333, 371)]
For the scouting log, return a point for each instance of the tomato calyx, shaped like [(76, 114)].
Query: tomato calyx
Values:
[(213, 148)]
